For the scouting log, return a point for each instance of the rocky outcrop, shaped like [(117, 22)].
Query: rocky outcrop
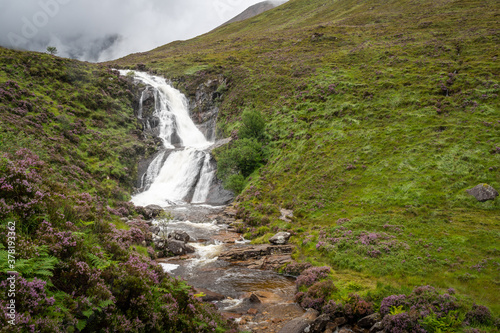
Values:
[(369, 321), (483, 192), (179, 236), (203, 106), (301, 324), (149, 212), (255, 252), (179, 248)]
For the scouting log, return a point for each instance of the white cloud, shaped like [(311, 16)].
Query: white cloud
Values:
[(98, 30)]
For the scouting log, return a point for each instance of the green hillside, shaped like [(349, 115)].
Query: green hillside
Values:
[(380, 114), (69, 149)]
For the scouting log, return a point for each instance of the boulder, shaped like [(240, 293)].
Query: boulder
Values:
[(209, 296), (369, 321), (281, 238), (377, 327), (319, 324), (149, 212), (300, 324), (180, 236), (179, 247), (483, 192)]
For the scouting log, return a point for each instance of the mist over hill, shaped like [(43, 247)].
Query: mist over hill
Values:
[(106, 30)]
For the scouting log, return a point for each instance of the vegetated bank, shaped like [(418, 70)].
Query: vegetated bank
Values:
[(69, 146), (379, 115)]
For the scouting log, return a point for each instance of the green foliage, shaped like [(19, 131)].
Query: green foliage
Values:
[(41, 266), (252, 125), (449, 323), (395, 310), (240, 160)]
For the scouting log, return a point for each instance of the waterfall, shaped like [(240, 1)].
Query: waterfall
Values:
[(206, 177), (187, 173)]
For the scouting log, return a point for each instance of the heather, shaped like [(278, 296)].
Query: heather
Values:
[(68, 154), (379, 115)]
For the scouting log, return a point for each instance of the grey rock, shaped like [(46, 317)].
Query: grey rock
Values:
[(369, 321), (286, 215), (154, 229), (281, 238), (483, 192), (179, 247), (319, 324), (377, 327), (180, 236), (300, 324)]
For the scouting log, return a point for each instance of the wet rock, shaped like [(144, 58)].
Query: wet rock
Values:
[(483, 192), (255, 252), (377, 327), (179, 235), (369, 321), (154, 229), (281, 238), (254, 298), (301, 324), (319, 324), (179, 247), (150, 211), (210, 296), (252, 311)]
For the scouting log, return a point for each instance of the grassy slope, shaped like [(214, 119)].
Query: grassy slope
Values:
[(382, 112), (69, 149)]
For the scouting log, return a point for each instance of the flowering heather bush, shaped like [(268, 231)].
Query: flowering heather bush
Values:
[(479, 314), (402, 323), (295, 268), (316, 295), (333, 309), (312, 275), (356, 308), (21, 189), (390, 302), (61, 244)]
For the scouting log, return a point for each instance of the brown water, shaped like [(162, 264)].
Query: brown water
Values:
[(235, 282)]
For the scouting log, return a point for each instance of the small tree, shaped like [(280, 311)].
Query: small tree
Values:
[(52, 50), (253, 125)]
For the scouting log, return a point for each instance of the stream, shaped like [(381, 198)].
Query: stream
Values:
[(181, 179)]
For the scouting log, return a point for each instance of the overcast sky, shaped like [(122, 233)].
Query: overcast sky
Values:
[(100, 30)]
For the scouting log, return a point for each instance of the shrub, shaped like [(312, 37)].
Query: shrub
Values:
[(479, 314), (253, 125), (312, 275)]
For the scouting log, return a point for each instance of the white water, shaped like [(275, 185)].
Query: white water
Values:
[(187, 172)]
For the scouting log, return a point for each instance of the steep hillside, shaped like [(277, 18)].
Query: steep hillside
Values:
[(380, 114), (69, 148)]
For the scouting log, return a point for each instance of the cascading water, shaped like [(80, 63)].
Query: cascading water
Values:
[(186, 174)]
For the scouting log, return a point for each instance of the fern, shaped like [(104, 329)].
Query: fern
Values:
[(395, 310), (100, 263), (447, 324), (41, 266)]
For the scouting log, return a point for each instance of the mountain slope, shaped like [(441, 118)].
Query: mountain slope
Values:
[(379, 112), (255, 10)]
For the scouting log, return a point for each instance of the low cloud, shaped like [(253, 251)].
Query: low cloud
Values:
[(100, 30)]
